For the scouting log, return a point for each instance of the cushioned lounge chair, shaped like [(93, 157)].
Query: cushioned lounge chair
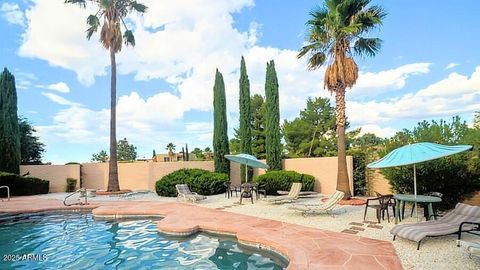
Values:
[(290, 197), (448, 224), (183, 192), (472, 248), (326, 206)]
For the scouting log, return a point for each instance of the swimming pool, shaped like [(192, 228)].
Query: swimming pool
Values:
[(78, 241)]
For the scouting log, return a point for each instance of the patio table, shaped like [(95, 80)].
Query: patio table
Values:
[(400, 200)]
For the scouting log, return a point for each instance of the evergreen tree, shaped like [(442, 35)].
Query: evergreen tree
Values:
[(186, 152), (272, 125), (154, 154), (220, 136), (245, 131), (102, 156), (184, 158), (258, 110), (31, 148), (9, 131), (126, 151)]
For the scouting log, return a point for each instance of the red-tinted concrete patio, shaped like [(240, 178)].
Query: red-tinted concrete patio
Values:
[(306, 248)]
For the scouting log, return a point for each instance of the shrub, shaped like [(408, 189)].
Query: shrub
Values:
[(457, 177), (282, 180), (71, 184), (21, 186), (201, 181)]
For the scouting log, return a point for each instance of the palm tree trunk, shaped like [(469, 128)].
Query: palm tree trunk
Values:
[(342, 175), (113, 184)]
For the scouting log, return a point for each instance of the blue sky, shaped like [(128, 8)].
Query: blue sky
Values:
[(428, 68)]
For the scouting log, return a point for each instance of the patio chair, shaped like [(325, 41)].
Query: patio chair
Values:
[(326, 206), (229, 189), (183, 192), (384, 201), (290, 197), (247, 192), (448, 224)]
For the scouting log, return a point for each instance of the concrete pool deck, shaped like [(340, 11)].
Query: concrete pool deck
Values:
[(306, 248)]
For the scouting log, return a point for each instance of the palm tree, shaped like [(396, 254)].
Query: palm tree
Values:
[(113, 13), (336, 32), (171, 148)]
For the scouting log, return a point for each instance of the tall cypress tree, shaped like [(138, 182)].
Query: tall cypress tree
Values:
[(245, 129), (9, 131), (272, 123), (220, 136), (187, 154)]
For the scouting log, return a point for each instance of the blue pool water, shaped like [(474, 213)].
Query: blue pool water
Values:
[(78, 241)]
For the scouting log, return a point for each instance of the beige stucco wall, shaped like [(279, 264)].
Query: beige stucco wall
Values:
[(136, 175), (56, 174), (143, 175), (377, 182), (324, 170)]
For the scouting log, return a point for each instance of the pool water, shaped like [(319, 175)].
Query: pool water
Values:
[(78, 241)]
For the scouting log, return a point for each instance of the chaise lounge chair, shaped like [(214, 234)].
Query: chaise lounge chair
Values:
[(290, 197), (183, 192), (326, 207), (448, 224), (472, 248)]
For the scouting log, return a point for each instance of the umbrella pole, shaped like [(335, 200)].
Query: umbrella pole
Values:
[(246, 173), (415, 189)]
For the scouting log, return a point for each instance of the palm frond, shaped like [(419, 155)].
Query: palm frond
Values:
[(104, 3), (349, 8), (140, 8), (369, 18), (93, 22), (367, 46), (82, 3), (316, 60), (129, 38)]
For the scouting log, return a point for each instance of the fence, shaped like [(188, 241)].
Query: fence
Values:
[(143, 175)]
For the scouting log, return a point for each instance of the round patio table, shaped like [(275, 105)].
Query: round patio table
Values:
[(400, 200)]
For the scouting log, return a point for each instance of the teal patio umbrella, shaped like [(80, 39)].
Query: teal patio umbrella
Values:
[(415, 153), (247, 160)]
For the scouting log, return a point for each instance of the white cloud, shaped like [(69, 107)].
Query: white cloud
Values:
[(60, 100), (60, 87), (383, 132), (455, 95), (374, 83), (451, 65), (12, 13), (455, 84)]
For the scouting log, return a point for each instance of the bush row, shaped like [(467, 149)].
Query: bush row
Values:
[(21, 186), (201, 181), (282, 180)]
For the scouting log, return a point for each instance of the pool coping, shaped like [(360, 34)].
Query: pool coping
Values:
[(303, 247)]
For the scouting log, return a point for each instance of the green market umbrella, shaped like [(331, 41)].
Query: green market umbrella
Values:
[(247, 160)]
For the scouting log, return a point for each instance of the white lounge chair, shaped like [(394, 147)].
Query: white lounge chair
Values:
[(183, 192), (472, 248), (290, 197), (325, 207)]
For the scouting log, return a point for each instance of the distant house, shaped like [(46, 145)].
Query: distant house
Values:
[(173, 157)]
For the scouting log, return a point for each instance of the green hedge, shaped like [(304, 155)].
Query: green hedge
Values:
[(200, 181), (21, 186), (71, 184), (282, 180)]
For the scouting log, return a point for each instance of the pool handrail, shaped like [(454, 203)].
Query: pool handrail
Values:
[(83, 193)]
